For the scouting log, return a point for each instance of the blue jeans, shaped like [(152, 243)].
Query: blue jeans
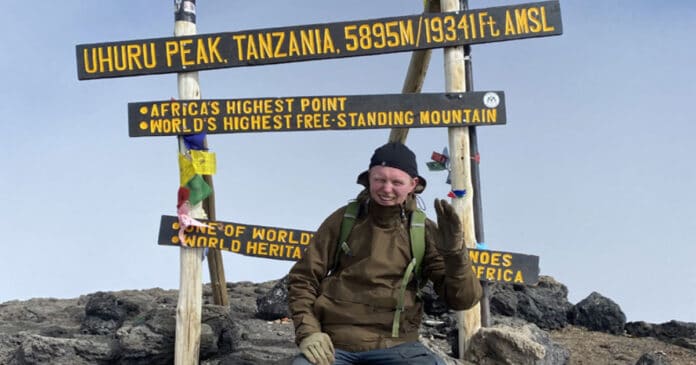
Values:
[(411, 353)]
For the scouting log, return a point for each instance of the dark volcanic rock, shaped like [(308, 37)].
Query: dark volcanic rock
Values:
[(675, 332), (598, 313), (148, 339), (432, 304), (545, 304), (36, 349), (224, 327), (274, 304), (107, 306), (105, 313), (640, 329), (127, 327), (654, 358)]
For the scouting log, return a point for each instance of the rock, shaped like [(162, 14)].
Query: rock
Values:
[(141, 344), (515, 342), (37, 349), (225, 332), (243, 295), (654, 358), (679, 333), (209, 342), (9, 348), (504, 346), (39, 314), (640, 329), (432, 304), (261, 342), (107, 306), (98, 326), (105, 312), (127, 327), (544, 304), (150, 339), (438, 350), (274, 303), (56, 331), (598, 313)]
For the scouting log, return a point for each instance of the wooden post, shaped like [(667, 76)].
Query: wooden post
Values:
[(417, 69), (455, 81), (188, 309), (218, 283), (476, 179)]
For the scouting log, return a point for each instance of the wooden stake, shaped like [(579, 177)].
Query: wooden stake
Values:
[(218, 283), (455, 81), (188, 309), (476, 180), (417, 69)]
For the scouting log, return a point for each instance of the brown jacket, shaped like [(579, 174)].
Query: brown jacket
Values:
[(355, 304)]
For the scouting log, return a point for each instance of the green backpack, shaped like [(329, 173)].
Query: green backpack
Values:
[(417, 234)]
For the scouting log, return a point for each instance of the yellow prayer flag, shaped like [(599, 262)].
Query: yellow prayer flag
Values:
[(186, 170), (204, 163)]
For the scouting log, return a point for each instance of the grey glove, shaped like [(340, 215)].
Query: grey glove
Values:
[(449, 227), (318, 348)]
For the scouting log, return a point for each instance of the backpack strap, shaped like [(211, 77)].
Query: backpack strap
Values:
[(417, 233), (402, 292), (347, 223)]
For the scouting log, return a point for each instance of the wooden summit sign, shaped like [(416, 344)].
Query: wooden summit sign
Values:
[(317, 41), (315, 113), (289, 244)]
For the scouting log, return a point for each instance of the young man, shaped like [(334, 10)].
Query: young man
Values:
[(345, 306)]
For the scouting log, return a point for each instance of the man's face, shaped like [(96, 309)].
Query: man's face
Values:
[(390, 186)]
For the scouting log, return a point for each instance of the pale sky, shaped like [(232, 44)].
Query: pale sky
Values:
[(593, 172)]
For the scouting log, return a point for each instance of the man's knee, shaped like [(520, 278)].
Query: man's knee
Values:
[(300, 360), (417, 353)]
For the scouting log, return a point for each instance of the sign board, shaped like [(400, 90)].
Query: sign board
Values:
[(317, 41), (289, 244), (505, 267), (315, 113), (245, 239)]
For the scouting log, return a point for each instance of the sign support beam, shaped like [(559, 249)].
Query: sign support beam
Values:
[(218, 282), (476, 179), (417, 69), (189, 305), (469, 321)]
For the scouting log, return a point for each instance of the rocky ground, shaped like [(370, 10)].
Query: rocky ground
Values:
[(532, 325), (591, 347), (585, 347)]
